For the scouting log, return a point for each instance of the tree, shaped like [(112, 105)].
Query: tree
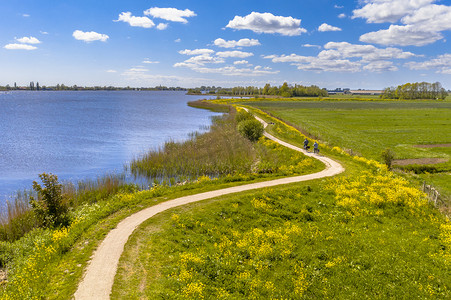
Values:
[(49, 206)]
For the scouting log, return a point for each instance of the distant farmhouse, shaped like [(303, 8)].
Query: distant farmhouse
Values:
[(347, 91), (366, 92)]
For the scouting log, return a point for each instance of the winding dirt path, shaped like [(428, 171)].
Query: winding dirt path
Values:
[(99, 275)]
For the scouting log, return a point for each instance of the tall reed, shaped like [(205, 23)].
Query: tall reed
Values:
[(221, 150)]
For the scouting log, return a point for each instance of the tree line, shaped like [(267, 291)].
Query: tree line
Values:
[(417, 90), (284, 90), (62, 87)]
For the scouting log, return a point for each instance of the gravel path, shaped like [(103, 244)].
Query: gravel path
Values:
[(99, 275)]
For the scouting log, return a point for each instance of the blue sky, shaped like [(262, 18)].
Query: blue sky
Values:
[(369, 44)]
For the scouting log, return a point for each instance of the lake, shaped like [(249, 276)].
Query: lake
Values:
[(85, 134)]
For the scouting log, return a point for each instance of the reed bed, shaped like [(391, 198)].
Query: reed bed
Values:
[(220, 151)]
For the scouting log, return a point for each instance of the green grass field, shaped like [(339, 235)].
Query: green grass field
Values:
[(369, 127)]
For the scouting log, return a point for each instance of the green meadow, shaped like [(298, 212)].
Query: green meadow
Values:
[(368, 127)]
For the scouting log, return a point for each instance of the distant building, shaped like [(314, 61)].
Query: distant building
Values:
[(365, 92), (338, 91)]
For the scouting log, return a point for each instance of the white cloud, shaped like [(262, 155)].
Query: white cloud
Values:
[(232, 44), (177, 40), (342, 16), (43, 32), (338, 6), (433, 18), (311, 46), (324, 65), (239, 54), (162, 26), (442, 64), (401, 35), (345, 57), (240, 62), (28, 40), (326, 27), (170, 14), (367, 52), (146, 61), (381, 11), (233, 71), (19, 47), (199, 60), (422, 21), (127, 17), (25, 15), (380, 66), (111, 71), (89, 36), (196, 51), (267, 23)]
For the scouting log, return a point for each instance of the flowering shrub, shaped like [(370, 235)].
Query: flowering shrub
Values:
[(379, 189)]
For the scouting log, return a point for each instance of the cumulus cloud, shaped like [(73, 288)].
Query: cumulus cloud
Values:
[(267, 23), (317, 63), (401, 35), (342, 16), (380, 66), (170, 14), (90, 36), (232, 44), (19, 47), (240, 62), (127, 17), (345, 57), (311, 46), (162, 26), (382, 11), (147, 61), (28, 40), (367, 52), (326, 27), (177, 40), (442, 64), (196, 51), (232, 70), (239, 54), (204, 59), (422, 21), (433, 18)]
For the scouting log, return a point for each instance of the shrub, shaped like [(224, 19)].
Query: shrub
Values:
[(49, 206), (243, 115), (387, 157), (251, 129)]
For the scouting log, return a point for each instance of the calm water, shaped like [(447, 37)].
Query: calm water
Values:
[(78, 135)]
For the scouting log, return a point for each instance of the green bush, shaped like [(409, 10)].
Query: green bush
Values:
[(387, 157), (251, 129), (243, 115), (49, 206)]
